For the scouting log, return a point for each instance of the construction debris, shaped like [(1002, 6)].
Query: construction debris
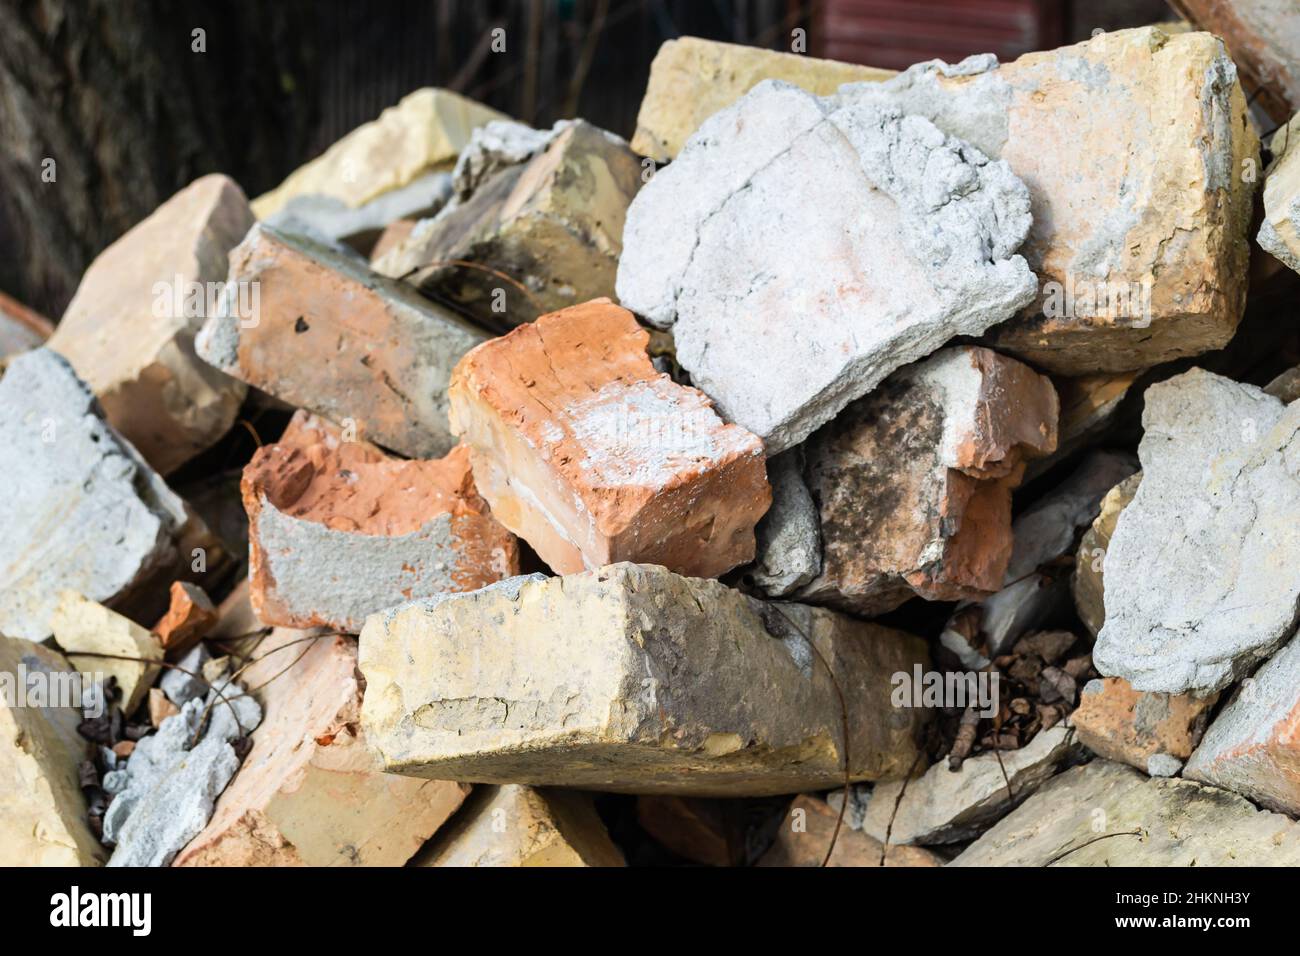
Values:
[(592, 457), (568, 202), (914, 482), (946, 806), (1191, 602), (521, 826), (164, 796), (423, 133), (1088, 582), (1149, 262), (1142, 729), (101, 642), (907, 238), (42, 808), (806, 832), (338, 340), (723, 512), (129, 331), (310, 792), (1251, 747), (1107, 814), (691, 79), (189, 617), (82, 511), (339, 530), (634, 679)]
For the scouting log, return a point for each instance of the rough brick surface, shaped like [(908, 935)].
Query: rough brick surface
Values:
[(534, 237), (333, 337), (189, 617), (129, 330), (691, 79), (1119, 723), (592, 457), (310, 793), (907, 238), (633, 679), (914, 482), (1141, 238), (338, 530), (1253, 746)]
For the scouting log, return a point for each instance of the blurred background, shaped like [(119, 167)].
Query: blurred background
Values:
[(116, 94)]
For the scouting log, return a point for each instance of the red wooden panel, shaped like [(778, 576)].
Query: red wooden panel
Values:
[(898, 33)]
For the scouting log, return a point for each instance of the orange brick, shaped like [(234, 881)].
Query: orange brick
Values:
[(592, 457)]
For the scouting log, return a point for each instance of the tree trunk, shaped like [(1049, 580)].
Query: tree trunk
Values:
[(107, 107)]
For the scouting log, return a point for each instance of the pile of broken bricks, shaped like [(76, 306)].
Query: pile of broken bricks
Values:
[(486, 495)]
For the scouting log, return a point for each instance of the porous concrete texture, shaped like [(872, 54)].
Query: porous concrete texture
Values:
[(1195, 594), (42, 808), (692, 78), (1252, 746), (907, 238), (80, 509), (634, 679), (129, 330), (1108, 814), (951, 806), (164, 797), (184, 682), (331, 336), (913, 483), (535, 237), (339, 530), (310, 792), (789, 549), (592, 457), (1138, 240), (422, 133), (496, 146), (513, 826)]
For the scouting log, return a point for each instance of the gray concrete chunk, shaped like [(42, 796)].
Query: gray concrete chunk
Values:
[(1198, 582), (80, 509), (802, 250)]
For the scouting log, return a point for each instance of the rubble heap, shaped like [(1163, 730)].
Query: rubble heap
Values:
[(852, 468)]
